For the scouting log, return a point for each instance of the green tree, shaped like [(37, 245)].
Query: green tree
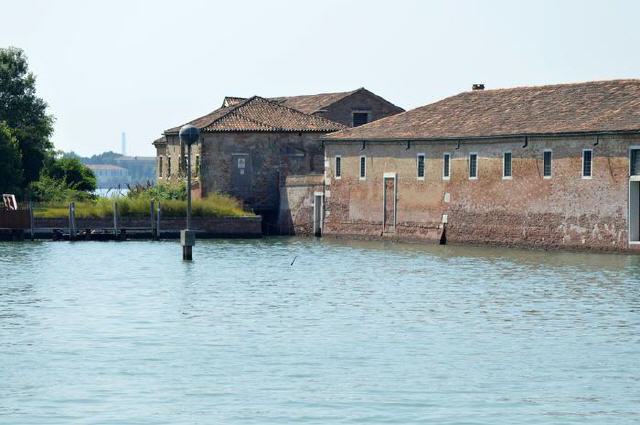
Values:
[(10, 167), (24, 112), (72, 172)]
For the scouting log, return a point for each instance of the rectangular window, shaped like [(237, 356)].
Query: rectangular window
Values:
[(546, 164), (473, 165), (338, 169), (360, 118), (506, 165), (446, 166), (635, 162), (168, 166), (197, 165), (363, 167), (587, 158), (160, 166), (420, 166)]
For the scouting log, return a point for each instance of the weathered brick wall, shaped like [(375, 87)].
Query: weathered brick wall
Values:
[(359, 101), (295, 216), (563, 211), (271, 157)]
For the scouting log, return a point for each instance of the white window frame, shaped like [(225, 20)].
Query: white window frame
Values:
[(446, 155), (360, 167), (504, 158), (550, 163), (631, 148), (477, 166), (582, 168), (337, 175), (424, 166)]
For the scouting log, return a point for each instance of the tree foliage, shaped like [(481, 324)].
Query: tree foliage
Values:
[(10, 159), (23, 112)]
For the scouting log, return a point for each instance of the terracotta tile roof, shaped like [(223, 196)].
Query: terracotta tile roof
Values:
[(260, 114), (313, 102), (306, 103), (599, 106)]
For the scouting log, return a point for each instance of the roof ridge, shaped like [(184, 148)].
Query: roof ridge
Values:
[(540, 86), (297, 111), (231, 110)]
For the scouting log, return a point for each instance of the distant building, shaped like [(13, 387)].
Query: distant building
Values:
[(110, 176), (142, 169)]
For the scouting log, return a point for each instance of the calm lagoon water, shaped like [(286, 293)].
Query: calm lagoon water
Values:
[(352, 332)]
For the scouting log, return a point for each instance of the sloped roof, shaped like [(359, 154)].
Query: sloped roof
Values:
[(260, 115), (598, 106), (313, 102)]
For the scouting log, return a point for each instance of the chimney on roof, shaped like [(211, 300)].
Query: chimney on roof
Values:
[(477, 87)]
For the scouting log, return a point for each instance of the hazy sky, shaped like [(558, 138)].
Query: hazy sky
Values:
[(141, 67)]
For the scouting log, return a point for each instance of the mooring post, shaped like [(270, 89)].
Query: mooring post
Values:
[(115, 219), (72, 221), (153, 221), (158, 222), (31, 218)]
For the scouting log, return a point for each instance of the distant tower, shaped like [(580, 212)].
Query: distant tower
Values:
[(124, 143)]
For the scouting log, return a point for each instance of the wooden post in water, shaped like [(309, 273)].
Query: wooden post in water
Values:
[(115, 219), (153, 221), (158, 221), (72, 221), (31, 218)]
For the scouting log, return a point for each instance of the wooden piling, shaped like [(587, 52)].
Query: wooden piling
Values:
[(158, 221), (153, 221), (31, 218), (72, 221), (115, 219)]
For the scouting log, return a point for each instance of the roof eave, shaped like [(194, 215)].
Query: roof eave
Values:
[(488, 137)]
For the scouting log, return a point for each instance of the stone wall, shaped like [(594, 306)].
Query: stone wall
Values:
[(565, 210), (209, 226), (295, 215), (361, 101)]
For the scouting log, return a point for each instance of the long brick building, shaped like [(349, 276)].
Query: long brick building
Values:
[(548, 166)]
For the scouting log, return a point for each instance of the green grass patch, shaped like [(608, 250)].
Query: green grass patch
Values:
[(215, 205)]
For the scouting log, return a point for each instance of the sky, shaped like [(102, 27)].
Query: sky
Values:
[(141, 67)]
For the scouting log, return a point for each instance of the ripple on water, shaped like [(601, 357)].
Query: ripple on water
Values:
[(360, 332)]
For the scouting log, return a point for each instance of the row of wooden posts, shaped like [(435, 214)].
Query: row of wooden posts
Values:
[(154, 220)]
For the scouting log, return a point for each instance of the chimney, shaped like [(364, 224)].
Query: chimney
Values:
[(479, 86)]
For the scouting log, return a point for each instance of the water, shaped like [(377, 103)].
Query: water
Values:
[(125, 333)]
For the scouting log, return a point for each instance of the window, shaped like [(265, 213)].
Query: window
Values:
[(587, 157), (160, 166), (420, 166), (635, 162), (197, 165), (473, 165), (168, 166), (360, 118), (446, 166), (546, 164), (338, 169), (506, 165), (363, 167)]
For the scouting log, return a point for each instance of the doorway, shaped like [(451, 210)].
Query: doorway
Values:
[(634, 211), (241, 171), (318, 213), (389, 201)]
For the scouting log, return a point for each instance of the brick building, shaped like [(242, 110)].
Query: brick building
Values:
[(249, 146), (548, 166)]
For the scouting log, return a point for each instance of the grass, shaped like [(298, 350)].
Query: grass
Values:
[(215, 205)]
